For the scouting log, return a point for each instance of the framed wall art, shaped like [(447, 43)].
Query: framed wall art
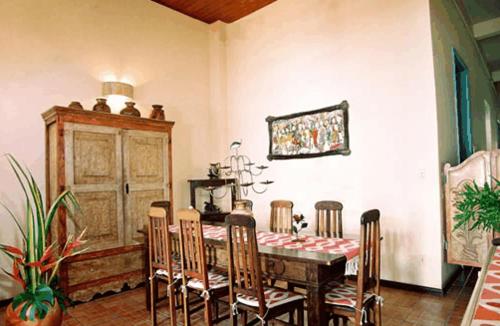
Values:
[(309, 134)]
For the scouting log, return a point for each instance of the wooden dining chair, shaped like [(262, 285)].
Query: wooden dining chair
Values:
[(281, 216), (196, 277), (247, 292), (361, 302), (247, 202), (162, 265), (166, 206), (329, 219)]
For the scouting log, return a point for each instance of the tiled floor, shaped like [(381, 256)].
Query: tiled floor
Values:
[(400, 308)]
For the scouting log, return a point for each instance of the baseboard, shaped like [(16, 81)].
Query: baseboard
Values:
[(411, 287), (453, 278), (420, 288)]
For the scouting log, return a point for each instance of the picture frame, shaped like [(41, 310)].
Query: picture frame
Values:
[(310, 134)]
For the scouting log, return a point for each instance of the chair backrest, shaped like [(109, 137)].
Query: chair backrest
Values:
[(160, 241), (248, 203), (245, 275), (165, 204), (369, 257), (193, 260), (281, 216), (329, 219)]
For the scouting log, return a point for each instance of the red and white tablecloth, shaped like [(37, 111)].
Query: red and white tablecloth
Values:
[(347, 247), (488, 305)]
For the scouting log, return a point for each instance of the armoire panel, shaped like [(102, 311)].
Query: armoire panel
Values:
[(94, 157), (139, 204), (100, 217), (148, 151)]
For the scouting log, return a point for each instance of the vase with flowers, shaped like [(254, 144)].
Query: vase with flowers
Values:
[(479, 207), (35, 263), (298, 224)]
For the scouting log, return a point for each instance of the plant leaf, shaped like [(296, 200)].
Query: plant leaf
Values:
[(60, 200)]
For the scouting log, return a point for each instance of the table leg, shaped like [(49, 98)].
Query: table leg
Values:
[(316, 314)]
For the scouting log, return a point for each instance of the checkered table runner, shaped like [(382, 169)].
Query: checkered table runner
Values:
[(347, 247), (488, 305)]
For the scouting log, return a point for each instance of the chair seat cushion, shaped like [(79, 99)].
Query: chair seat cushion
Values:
[(176, 270), (341, 294), (273, 297), (215, 280)]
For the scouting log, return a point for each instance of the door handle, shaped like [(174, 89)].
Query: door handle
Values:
[(126, 188)]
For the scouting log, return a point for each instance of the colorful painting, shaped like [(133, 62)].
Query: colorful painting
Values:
[(309, 134)]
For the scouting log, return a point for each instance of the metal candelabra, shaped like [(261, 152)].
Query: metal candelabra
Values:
[(241, 168)]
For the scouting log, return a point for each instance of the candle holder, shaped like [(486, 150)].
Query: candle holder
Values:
[(245, 172)]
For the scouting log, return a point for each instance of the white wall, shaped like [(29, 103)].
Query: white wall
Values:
[(219, 82), (57, 51), (450, 31), (294, 56)]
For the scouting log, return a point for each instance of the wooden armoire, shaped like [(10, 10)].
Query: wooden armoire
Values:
[(116, 166), (464, 246)]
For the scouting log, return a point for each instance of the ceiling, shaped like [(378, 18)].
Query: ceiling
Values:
[(482, 10), (210, 11), (484, 17)]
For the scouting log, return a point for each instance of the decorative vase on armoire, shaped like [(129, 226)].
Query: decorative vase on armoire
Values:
[(116, 166)]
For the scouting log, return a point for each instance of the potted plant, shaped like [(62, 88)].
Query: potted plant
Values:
[(35, 264), (480, 206), (299, 223)]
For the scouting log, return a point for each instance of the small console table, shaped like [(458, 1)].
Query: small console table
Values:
[(212, 217)]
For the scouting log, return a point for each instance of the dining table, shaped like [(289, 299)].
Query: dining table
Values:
[(308, 261)]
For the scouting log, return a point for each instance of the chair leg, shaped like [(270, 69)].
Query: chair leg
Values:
[(290, 317), (233, 319), (156, 290), (152, 299), (378, 314), (300, 315), (216, 306), (185, 304), (208, 312), (147, 289), (243, 317), (172, 305)]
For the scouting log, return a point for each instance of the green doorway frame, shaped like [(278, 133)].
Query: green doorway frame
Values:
[(462, 107)]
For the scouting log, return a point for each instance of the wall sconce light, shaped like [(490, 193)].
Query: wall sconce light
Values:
[(117, 94), (117, 88)]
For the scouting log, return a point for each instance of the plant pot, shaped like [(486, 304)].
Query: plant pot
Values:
[(53, 318)]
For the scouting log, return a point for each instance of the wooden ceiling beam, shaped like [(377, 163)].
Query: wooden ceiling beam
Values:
[(210, 11), (486, 29), (495, 75)]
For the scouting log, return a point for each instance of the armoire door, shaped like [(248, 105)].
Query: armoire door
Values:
[(93, 157), (145, 176)]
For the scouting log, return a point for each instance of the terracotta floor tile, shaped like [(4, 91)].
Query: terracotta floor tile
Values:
[(400, 308)]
